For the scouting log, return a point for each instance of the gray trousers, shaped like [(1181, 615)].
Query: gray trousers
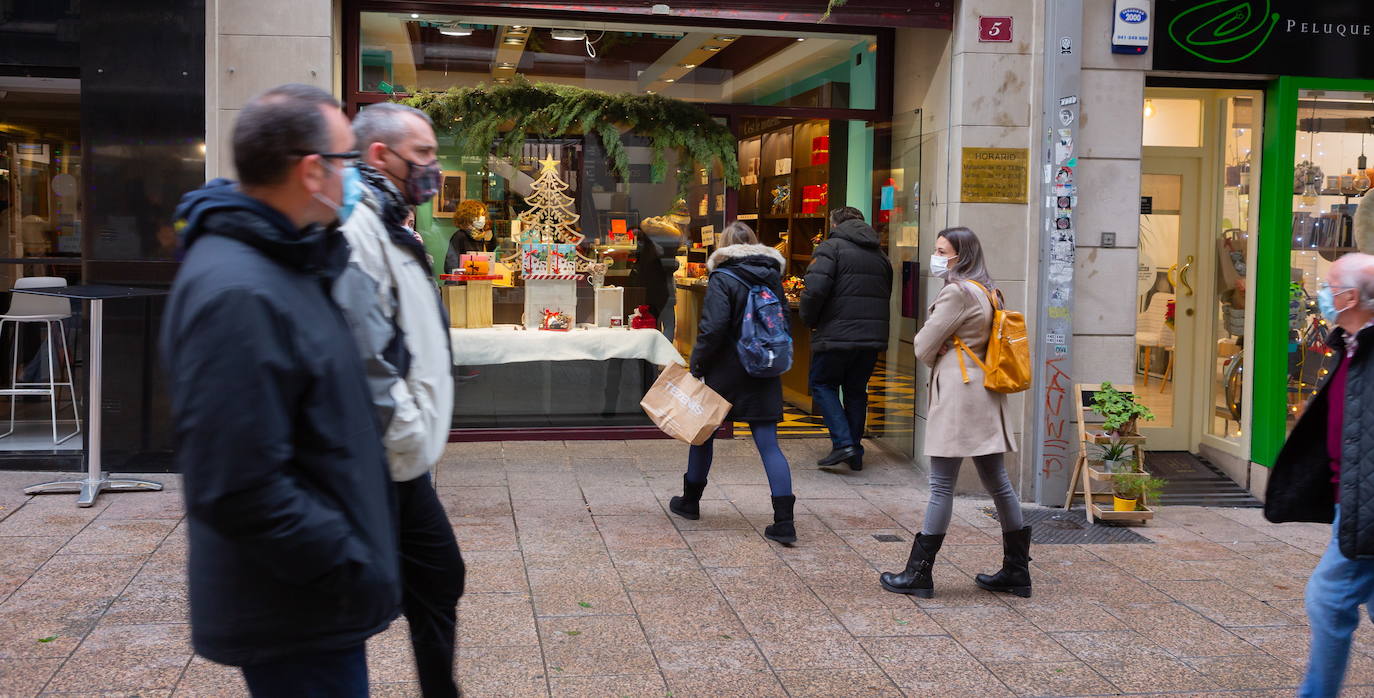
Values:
[(945, 471)]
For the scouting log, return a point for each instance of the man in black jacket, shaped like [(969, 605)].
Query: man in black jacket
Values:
[(291, 514), (1325, 469), (848, 291)]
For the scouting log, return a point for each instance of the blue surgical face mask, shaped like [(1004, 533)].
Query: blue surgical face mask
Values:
[(352, 192), (1326, 303)]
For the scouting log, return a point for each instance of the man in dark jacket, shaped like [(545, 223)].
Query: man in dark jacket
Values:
[(1324, 470), (846, 303), (291, 514)]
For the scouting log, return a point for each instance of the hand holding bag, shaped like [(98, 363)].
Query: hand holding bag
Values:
[(684, 407)]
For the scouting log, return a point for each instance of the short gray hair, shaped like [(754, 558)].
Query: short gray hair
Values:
[(382, 123), (1355, 270)]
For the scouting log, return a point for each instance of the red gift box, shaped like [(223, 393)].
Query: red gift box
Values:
[(815, 197), (820, 150)]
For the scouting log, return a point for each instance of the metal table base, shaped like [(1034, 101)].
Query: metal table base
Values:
[(96, 480)]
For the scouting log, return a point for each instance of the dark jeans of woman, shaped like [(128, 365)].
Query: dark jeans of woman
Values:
[(766, 440), (945, 471)]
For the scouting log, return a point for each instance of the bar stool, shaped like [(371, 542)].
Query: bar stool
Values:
[(28, 308)]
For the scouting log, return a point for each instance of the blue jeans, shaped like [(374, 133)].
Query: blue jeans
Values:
[(337, 674), (839, 385), (1335, 592)]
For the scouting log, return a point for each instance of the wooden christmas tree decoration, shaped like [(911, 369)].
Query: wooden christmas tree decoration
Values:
[(549, 238)]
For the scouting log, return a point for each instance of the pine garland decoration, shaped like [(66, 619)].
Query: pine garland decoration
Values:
[(477, 116)]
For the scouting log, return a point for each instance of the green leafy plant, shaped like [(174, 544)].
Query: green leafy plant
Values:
[(1138, 486), (499, 118), (1114, 451), (1119, 410), (831, 6)]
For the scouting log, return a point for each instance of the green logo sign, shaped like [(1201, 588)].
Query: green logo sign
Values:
[(1224, 31)]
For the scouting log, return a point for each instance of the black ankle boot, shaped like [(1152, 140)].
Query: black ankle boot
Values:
[(782, 530), (916, 579), (1014, 578), (688, 506)]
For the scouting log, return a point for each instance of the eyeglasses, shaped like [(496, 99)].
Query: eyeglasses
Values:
[(347, 159)]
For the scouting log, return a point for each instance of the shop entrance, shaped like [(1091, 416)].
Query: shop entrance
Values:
[(1196, 229)]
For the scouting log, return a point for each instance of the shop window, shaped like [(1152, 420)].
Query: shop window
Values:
[(402, 52), (1173, 123), (1330, 174), (1233, 240)]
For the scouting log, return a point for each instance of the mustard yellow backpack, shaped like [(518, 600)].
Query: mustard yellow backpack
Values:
[(1007, 368)]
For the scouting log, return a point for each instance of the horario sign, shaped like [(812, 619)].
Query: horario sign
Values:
[(1307, 38)]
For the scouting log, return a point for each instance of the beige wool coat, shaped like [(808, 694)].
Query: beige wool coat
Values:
[(964, 419)]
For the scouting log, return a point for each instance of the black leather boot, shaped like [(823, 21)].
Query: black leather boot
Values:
[(688, 506), (1014, 578), (782, 530), (916, 579)]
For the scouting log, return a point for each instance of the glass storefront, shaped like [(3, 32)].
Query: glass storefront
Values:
[(802, 107), (1198, 220), (1330, 174)]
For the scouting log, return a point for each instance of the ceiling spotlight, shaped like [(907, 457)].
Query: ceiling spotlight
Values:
[(713, 48), (516, 28), (801, 38), (669, 79), (505, 66), (414, 16), (455, 30), (568, 34), (513, 41), (688, 66), (727, 38), (651, 91)]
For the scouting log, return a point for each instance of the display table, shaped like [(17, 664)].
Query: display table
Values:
[(507, 345)]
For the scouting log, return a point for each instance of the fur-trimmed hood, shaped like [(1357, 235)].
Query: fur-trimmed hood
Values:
[(742, 251)]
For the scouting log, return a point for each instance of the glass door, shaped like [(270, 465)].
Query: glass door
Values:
[(1167, 298)]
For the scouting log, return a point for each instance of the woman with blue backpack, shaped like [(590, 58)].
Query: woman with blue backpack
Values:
[(743, 347)]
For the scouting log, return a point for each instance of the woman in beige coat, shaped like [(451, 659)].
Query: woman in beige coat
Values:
[(964, 420)]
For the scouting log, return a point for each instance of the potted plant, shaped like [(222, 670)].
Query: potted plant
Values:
[(1119, 411), (1114, 457), (1128, 489)]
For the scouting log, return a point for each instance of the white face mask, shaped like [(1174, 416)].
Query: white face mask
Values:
[(939, 266), (479, 224)]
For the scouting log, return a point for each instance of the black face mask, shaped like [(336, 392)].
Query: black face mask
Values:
[(422, 181)]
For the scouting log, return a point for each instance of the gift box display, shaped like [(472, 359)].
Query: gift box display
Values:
[(815, 197), (820, 150)]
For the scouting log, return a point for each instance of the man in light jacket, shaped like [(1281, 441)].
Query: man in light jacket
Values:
[(391, 302)]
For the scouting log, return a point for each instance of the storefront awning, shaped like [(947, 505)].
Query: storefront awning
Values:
[(935, 14)]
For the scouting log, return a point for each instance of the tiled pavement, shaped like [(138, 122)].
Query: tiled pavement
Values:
[(581, 585)]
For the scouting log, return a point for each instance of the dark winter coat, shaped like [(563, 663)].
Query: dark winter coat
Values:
[(290, 510), (848, 291), (1300, 484), (460, 244), (714, 356)]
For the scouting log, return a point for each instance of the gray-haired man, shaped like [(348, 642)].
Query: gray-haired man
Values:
[(392, 304)]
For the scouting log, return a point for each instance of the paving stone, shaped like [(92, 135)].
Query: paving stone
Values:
[(581, 583)]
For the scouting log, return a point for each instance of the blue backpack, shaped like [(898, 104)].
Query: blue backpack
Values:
[(765, 345)]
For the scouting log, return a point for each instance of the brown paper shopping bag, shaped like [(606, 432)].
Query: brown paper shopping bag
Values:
[(684, 407)]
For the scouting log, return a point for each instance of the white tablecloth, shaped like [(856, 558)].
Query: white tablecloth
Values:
[(501, 345)]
